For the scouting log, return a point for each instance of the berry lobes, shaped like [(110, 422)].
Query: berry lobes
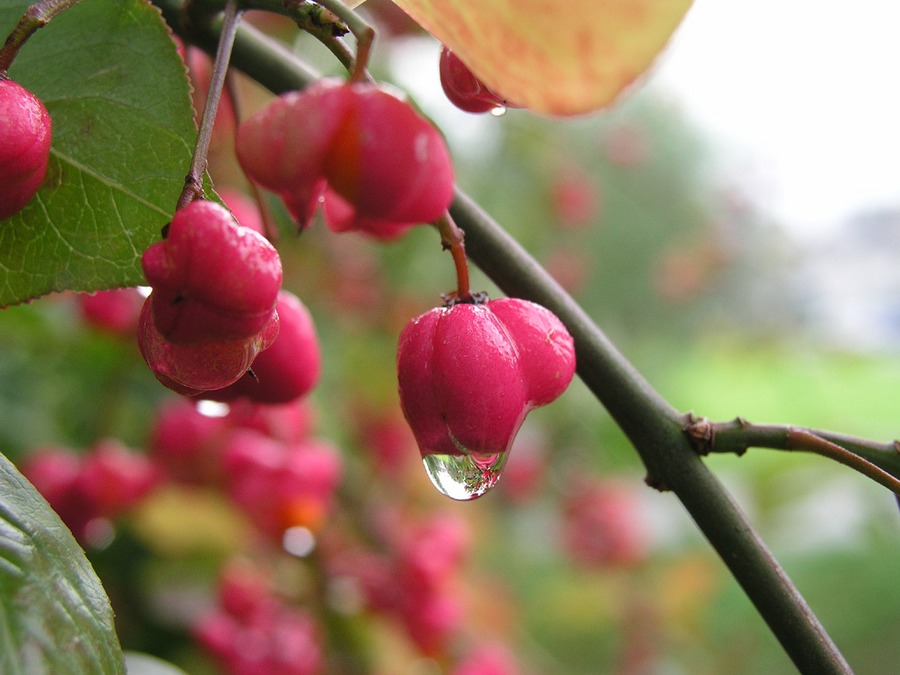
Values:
[(545, 348), (479, 364), (25, 135), (355, 144), (388, 161), (213, 279), (282, 147), (194, 368), (468, 375), (460, 386)]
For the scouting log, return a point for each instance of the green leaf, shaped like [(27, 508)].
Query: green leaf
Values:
[(54, 615), (123, 132)]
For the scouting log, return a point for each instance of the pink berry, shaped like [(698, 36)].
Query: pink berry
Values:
[(388, 162), (115, 311), (113, 478), (25, 134), (575, 199), (488, 659), (341, 216), (463, 89), (306, 483), (243, 208), (282, 147), (212, 278), (382, 165), (431, 551), (244, 591), (288, 422), (289, 368), (545, 348), (470, 373), (194, 368), (603, 524), (251, 463), (185, 443), (53, 472), (281, 485)]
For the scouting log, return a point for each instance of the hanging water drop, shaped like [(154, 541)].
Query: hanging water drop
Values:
[(499, 111), (464, 477)]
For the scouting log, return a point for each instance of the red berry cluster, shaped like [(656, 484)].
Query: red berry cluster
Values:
[(116, 311), (281, 485), (253, 632), (417, 579), (25, 135), (87, 490), (375, 164), (262, 456)]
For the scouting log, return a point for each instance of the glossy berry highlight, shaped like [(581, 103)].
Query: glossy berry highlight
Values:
[(468, 375), (25, 135)]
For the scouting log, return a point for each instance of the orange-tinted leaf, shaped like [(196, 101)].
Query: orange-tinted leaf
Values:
[(552, 56)]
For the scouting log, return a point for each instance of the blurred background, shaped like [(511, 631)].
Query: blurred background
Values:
[(732, 224)]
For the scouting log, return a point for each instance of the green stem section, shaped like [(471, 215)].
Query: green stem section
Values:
[(37, 16), (363, 32), (325, 20), (193, 182), (652, 425), (878, 461)]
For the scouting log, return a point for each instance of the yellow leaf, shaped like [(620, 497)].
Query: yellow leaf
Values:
[(554, 57)]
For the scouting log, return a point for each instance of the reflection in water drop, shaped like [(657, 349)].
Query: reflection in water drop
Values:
[(464, 477)]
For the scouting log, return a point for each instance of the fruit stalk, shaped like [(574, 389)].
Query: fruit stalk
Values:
[(363, 32), (452, 239), (35, 17), (193, 182)]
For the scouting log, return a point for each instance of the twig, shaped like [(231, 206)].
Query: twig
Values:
[(877, 461), (193, 182), (35, 17)]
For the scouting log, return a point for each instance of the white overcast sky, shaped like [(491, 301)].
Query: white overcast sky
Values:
[(806, 92)]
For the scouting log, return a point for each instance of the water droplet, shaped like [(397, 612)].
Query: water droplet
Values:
[(464, 477), (499, 111)]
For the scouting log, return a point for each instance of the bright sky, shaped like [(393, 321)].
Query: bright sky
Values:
[(807, 92)]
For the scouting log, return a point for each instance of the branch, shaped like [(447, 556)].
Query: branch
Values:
[(651, 424), (877, 461)]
